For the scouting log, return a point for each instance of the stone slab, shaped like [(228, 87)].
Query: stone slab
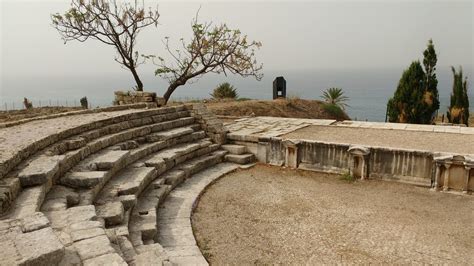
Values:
[(40, 247), (111, 212), (93, 247), (83, 179), (40, 170)]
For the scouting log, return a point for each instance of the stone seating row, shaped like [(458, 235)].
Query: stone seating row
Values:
[(177, 147), (43, 168), (93, 196)]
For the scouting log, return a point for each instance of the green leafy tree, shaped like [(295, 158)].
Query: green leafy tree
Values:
[(335, 96), (212, 49), (406, 104), (112, 23), (458, 111), (225, 91), (416, 99), (430, 96)]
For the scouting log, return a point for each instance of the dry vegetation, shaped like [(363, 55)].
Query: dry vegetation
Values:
[(293, 107)]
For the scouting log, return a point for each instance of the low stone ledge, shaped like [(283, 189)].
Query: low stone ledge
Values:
[(395, 164), (134, 97), (80, 112)]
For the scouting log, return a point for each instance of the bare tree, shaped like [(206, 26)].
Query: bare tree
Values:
[(215, 49), (111, 23)]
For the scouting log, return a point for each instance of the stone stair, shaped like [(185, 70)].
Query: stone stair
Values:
[(94, 191), (238, 154)]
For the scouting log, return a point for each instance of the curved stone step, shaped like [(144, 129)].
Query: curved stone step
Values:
[(144, 219), (174, 216), (43, 168), (48, 135)]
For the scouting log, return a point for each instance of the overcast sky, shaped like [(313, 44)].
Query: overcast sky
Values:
[(295, 35)]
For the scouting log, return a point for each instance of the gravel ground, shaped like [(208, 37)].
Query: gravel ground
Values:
[(431, 141), (270, 215)]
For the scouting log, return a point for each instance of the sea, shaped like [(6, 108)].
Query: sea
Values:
[(368, 89)]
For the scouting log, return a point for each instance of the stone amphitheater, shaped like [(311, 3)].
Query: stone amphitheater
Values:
[(118, 185)]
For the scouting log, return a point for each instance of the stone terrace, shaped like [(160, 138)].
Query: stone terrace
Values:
[(394, 135), (92, 187), (85, 189)]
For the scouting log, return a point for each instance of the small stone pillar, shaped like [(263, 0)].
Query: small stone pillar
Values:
[(437, 176), (447, 165), (468, 166), (291, 153), (359, 161), (466, 179)]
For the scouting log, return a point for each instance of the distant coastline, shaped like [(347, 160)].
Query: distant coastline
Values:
[(368, 90)]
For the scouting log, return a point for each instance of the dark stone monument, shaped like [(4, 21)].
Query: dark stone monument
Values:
[(279, 88)]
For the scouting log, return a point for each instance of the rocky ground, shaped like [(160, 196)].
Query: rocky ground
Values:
[(270, 215)]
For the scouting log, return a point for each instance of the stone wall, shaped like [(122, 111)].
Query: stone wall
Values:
[(130, 97), (447, 172), (209, 122)]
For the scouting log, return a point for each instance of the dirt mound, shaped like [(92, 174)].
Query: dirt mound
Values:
[(296, 108)]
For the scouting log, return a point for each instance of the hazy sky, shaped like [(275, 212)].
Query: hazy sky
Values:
[(295, 35)]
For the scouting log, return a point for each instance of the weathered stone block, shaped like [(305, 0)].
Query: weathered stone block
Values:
[(112, 213), (234, 149), (40, 170), (83, 179), (82, 234), (93, 247), (40, 247), (34, 222), (107, 160)]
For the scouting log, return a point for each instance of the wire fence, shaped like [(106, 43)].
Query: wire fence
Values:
[(20, 105)]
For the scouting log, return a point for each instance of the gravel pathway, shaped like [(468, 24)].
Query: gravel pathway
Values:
[(430, 141), (270, 215)]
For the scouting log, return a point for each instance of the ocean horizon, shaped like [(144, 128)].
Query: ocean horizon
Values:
[(368, 89)]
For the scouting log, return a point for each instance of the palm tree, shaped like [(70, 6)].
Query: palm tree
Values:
[(335, 96)]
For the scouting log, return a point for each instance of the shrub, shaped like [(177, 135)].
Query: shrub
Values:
[(347, 177), (334, 111), (84, 102), (225, 91), (416, 99), (27, 103), (458, 111)]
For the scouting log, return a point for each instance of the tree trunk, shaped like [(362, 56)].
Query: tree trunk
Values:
[(169, 91), (137, 79)]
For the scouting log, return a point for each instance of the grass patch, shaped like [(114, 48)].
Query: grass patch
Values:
[(243, 99), (347, 177)]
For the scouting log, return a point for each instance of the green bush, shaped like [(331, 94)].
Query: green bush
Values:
[(416, 98), (225, 91), (334, 110), (458, 111), (84, 103)]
